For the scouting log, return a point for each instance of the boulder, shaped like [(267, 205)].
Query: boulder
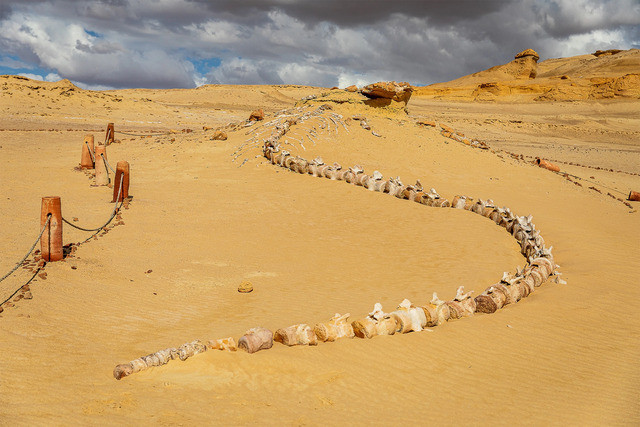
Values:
[(400, 92), (245, 287), (257, 115), (352, 88), (219, 136), (388, 94)]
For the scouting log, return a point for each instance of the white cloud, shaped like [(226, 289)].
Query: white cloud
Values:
[(52, 77), (32, 76), (578, 44)]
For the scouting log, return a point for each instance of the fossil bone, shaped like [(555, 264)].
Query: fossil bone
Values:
[(224, 344), (337, 327), (376, 323), (409, 317), (256, 339), (490, 300), (436, 312), (462, 305), (301, 334)]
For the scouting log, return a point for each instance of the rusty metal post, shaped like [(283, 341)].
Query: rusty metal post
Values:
[(634, 196), (102, 174), (109, 136), (86, 161), (51, 240), (122, 169)]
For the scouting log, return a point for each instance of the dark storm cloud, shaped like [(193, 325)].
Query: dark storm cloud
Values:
[(155, 43), (359, 12)]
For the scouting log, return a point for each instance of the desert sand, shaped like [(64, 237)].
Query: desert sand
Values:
[(204, 217)]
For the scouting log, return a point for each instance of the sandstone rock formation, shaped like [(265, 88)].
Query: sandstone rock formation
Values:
[(608, 74), (525, 65), (383, 94), (390, 90), (528, 52), (387, 97)]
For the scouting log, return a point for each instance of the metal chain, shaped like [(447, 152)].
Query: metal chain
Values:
[(30, 250), (113, 214)]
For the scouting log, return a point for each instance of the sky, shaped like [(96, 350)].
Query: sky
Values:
[(105, 44)]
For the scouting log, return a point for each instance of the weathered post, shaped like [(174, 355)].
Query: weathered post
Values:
[(122, 170), (86, 161), (102, 174), (51, 240)]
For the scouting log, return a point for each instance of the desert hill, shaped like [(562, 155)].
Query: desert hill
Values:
[(601, 75), (26, 101)]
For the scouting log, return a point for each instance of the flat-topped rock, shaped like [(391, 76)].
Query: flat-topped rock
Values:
[(400, 92), (528, 52)]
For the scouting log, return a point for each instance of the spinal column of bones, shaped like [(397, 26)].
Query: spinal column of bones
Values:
[(407, 317)]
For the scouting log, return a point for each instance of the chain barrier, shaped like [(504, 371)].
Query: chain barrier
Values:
[(30, 250), (107, 163), (113, 214), (116, 209), (587, 180), (18, 290), (147, 134), (93, 158)]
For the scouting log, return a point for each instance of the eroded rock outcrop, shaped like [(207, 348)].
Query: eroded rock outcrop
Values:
[(386, 97), (525, 65), (388, 94)]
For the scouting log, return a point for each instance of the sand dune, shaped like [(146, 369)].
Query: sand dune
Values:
[(204, 217)]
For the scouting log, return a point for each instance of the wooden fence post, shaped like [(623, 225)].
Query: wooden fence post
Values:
[(102, 174), (51, 240), (86, 161), (122, 169)]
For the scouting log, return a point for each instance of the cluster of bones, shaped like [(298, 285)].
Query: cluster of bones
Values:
[(407, 317)]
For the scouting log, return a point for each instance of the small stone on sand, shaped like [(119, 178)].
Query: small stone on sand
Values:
[(245, 287)]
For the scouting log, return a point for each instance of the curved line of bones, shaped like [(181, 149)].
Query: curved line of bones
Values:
[(407, 317)]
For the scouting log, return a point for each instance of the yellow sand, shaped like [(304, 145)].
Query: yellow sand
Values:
[(199, 224)]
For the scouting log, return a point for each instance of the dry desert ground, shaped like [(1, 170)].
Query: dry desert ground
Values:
[(206, 215)]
